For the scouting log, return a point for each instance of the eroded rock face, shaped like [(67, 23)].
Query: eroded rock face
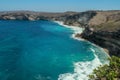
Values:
[(69, 18), (108, 40), (79, 19), (106, 31)]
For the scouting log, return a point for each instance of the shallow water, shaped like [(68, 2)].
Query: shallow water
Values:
[(42, 50)]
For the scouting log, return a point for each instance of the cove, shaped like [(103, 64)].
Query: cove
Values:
[(44, 50)]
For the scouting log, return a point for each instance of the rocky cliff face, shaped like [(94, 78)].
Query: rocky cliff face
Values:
[(104, 30), (107, 40), (79, 19), (101, 27), (69, 18), (29, 15)]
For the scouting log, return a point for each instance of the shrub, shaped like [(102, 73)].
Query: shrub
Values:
[(108, 72)]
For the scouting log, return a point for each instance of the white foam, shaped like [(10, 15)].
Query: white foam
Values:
[(76, 29), (82, 70)]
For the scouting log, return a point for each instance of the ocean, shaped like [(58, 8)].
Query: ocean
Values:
[(45, 50)]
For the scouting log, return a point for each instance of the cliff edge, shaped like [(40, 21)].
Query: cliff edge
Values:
[(104, 30)]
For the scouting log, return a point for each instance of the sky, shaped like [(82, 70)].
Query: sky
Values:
[(59, 5)]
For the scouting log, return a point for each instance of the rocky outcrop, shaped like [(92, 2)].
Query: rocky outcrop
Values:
[(104, 30), (79, 19), (107, 40), (101, 28)]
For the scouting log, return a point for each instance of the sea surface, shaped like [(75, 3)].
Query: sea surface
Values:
[(44, 50)]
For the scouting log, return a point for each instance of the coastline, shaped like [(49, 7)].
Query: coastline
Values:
[(78, 30), (110, 18), (105, 49), (78, 73)]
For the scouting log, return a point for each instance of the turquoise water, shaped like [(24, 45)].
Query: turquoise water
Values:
[(40, 50)]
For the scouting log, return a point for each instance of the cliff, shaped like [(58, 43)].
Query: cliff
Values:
[(30, 15), (69, 18), (104, 30), (101, 27)]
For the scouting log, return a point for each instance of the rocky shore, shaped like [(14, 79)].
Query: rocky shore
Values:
[(101, 27), (107, 40), (104, 30)]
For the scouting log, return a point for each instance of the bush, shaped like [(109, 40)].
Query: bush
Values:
[(108, 72)]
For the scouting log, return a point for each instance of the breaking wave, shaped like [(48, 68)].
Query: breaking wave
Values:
[(82, 69)]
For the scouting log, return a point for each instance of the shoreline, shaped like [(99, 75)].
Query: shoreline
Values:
[(78, 30), (77, 66)]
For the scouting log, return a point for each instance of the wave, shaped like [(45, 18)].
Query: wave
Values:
[(76, 29), (82, 69)]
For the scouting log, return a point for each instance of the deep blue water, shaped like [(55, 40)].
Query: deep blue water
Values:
[(39, 50)]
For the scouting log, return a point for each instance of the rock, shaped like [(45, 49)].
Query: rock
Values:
[(108, 40), (9, 18), (32, 18)]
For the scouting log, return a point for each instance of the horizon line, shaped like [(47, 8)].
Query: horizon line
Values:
[(53, 11)]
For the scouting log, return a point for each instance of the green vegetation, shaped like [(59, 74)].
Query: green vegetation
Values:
[(108, 72)]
